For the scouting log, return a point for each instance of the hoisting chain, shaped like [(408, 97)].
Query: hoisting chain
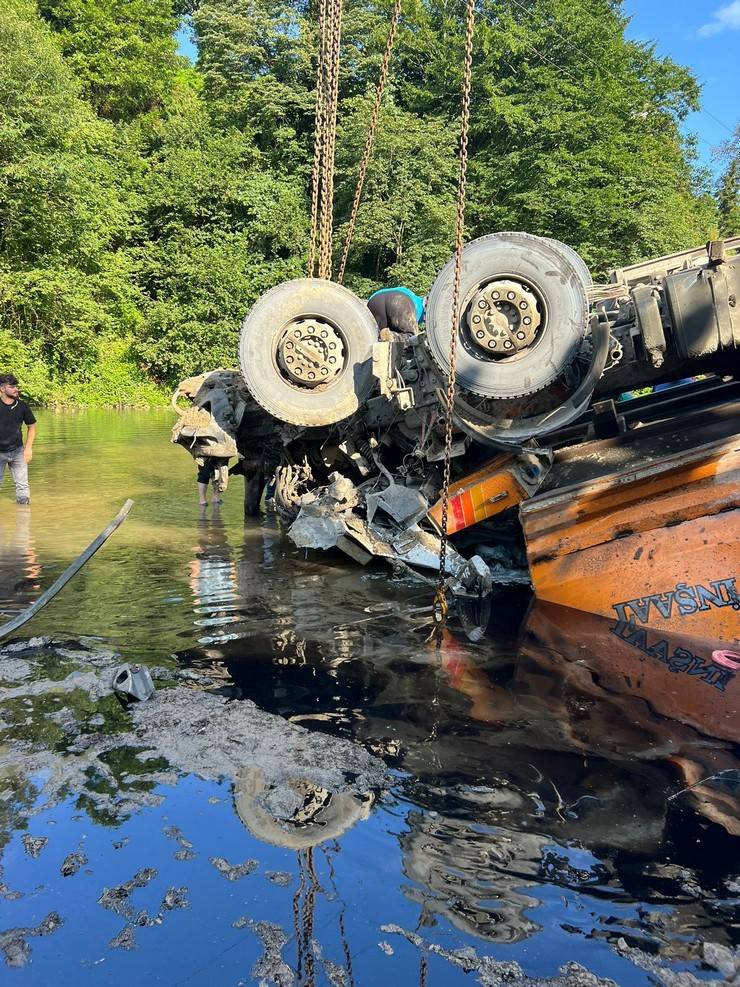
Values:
[(439, 609), (319, 131), (370, 139), (322, 175)]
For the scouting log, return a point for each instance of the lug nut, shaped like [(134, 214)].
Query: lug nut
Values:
[(508, 344), (522, 305), (520, 335), (527, 321)]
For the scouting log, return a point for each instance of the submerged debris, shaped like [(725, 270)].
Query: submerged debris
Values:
[(14, 942), (270, 968), (116, 899), (233, 872), (174, 898), (72, 863), (280, 878), (186, 851), (498, 973), (124, 940), (33, 845)]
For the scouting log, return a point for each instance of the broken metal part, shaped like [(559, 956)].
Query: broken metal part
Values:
[(502, 483), (133, 682), (208, 427)]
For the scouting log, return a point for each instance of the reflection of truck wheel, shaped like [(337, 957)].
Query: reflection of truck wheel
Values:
[(305, 352), (320, 815), (524, 314)]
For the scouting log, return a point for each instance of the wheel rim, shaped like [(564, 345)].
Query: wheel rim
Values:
[(504, 318), (310, 352)]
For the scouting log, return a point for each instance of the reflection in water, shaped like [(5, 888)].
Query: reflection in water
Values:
[(20, 571), (213, 578), (540, 756)]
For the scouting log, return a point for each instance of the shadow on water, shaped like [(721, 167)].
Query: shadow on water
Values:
[(549, 802)]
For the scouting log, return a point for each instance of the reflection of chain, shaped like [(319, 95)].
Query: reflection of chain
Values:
[(440, 599), (370, 135)]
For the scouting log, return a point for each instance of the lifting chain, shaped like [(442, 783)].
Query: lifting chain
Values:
[(370, 140), (319, 130), (322, 175), (439, 608)]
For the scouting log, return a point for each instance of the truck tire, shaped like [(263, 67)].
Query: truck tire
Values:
[(544, 270), (347, 321)]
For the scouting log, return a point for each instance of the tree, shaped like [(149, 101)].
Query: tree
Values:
[(123, 52), (65, 204), (728, 188)]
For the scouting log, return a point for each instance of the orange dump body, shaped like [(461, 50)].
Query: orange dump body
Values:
[(656, 543)]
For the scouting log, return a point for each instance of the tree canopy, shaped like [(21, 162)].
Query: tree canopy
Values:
[(146, 202)]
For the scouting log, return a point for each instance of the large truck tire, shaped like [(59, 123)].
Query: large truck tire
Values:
[(305, 352), (525, 297)]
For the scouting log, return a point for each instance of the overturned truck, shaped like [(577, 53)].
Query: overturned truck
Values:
[(605, 500)]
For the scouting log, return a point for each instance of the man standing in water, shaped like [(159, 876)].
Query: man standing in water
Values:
[(15, 413)]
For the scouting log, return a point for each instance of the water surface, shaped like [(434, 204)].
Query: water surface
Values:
[(534, 815)]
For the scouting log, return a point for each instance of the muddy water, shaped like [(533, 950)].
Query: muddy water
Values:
[(530, 813)]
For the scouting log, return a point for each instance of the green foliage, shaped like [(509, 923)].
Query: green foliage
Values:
[(145, 203), (728, 188), (122, 51)]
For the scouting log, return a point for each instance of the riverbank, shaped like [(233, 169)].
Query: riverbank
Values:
[(114, 380)]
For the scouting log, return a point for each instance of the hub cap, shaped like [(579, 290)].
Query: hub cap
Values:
[(310, 352), (503, 318)]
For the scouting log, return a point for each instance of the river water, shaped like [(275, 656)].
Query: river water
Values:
[(535, 813)]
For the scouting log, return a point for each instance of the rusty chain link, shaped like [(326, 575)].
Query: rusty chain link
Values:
[(319, 131), (439, 609), (370, 140), (322, 173), (326, 223)]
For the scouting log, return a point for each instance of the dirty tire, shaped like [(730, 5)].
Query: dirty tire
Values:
[(549, 268), (344, 810), (575, 258), (262, 328)]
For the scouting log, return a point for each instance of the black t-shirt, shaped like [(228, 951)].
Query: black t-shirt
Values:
[(12, 416)]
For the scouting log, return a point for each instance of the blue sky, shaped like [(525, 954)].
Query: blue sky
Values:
[(703, 35)]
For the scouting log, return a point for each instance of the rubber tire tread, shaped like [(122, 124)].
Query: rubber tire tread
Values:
[(551, 270), (303, 298)]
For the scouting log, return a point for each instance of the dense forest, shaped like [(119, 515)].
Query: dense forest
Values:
[(146, 201)]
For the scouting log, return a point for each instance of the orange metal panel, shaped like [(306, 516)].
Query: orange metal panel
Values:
[(660, 549), (487, 492)]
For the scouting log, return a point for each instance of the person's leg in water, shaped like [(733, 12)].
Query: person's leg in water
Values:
[(19, 472), (205, 474)]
